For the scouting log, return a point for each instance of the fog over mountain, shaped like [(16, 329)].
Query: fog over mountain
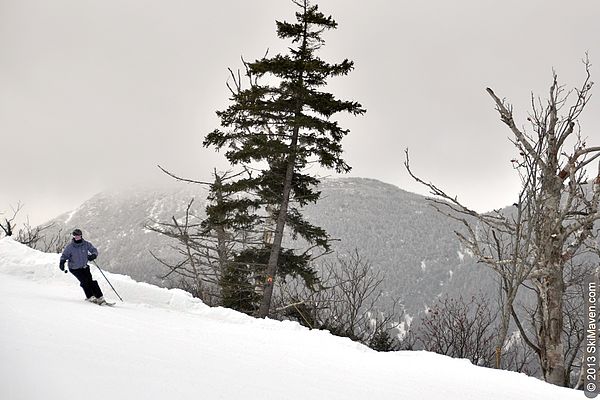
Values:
[(413, 245)]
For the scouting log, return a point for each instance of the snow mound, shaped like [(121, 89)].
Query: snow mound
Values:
[(19, 260)]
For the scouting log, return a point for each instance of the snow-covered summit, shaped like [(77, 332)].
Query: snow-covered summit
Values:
[(164, 344)]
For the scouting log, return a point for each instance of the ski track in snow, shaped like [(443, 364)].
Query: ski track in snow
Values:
[(164, 344)]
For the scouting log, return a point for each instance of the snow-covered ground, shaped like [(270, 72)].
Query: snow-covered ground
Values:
[(163, 344)]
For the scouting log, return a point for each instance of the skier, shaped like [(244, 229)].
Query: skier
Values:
[(78, 253)]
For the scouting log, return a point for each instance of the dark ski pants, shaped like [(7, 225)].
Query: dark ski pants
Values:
[(87, 283)]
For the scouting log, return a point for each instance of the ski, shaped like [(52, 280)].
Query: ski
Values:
[(102, 302)]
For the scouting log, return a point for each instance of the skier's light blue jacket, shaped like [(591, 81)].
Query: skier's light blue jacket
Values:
[(77, 254)]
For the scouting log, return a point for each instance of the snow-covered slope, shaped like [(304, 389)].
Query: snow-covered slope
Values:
[(163, 344)]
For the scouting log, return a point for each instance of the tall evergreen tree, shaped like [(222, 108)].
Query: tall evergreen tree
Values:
[(278, 126)]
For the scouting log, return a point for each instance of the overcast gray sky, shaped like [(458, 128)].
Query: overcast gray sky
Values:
[(97, 92)]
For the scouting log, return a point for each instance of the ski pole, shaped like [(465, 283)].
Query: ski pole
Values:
[(99, 269)]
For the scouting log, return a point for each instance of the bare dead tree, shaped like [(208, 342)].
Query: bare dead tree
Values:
[(460, 329), (207, 247), (518, 356), (500, 240), (576, 276), (347, 303), (54, 243), (197, 264), (554, 217), (37, 238), (9, 222)]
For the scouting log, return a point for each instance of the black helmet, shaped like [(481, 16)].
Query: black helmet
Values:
[(77, 232)]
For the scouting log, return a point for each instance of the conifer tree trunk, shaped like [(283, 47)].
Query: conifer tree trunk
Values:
[(265, 304)]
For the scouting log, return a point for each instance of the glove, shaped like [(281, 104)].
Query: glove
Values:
[(92, 257), (62, 267)]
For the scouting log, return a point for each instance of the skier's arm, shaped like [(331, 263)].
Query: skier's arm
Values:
[(93, 252), (66, 254)]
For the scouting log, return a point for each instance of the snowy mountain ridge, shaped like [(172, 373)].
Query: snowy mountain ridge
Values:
[(163, 343), (398, 232)]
